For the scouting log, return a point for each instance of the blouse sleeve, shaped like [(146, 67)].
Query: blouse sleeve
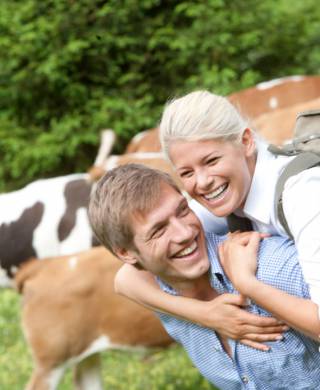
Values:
[(301, 205)]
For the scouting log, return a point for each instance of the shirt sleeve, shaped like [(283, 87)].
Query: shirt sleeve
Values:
[(278, 266), (301, 205), (173, 326)]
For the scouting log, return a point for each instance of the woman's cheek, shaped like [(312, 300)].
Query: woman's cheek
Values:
[(189, 186)]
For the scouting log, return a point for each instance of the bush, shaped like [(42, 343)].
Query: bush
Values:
[(70, 68)]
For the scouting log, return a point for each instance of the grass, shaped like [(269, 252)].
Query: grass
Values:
[(168, 369)]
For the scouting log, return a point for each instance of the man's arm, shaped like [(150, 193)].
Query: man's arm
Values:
[(238, 256), (224, 314)]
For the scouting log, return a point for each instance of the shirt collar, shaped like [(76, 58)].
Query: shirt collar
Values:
[(260, 200), (213, 241)]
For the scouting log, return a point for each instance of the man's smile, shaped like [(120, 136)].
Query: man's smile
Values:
[(188, 250)]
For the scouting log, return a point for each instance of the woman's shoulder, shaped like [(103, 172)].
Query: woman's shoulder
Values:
[(303, 186)]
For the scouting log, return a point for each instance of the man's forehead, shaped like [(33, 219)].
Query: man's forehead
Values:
[(168, 200)]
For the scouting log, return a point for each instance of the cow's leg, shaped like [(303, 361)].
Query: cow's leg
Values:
[(87, 374), (45, 378), (108, 138)]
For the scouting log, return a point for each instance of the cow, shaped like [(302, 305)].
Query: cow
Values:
[(71, 313), (251, 102), (48, 217), (275, 94), (152, 160), (277, 126), (146, 141)]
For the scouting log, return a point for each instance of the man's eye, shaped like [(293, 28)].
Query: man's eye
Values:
[(184, 211), (158, 232), (212, 160), (185, 174)]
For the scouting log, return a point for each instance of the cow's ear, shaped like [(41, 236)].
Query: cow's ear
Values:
[(126, 255)]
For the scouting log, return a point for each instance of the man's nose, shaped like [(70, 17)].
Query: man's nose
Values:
[(181, 230)]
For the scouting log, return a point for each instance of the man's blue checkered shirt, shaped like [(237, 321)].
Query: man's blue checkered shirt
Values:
[(292, 363)]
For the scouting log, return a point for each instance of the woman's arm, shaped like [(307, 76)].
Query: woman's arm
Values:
[(224, 314), (238, 256), (299, 313), (301, 207)]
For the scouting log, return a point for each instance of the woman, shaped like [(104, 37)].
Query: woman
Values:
[(224, 166)]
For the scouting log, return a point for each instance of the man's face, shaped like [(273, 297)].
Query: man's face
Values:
[(169, 240)]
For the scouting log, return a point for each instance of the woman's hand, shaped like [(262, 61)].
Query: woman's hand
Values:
[(238, 257), (226, 314)]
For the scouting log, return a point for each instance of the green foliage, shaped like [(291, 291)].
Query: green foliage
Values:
[(168, 369), (70, 68)]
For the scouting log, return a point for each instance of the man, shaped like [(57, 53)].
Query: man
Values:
[(141, 216)]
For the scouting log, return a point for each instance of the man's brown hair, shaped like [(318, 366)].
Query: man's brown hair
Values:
[(119, 194)]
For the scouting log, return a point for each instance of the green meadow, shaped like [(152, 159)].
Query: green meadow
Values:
[(168, 369)]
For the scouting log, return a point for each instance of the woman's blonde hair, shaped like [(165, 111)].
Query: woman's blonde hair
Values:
[(200, 115)]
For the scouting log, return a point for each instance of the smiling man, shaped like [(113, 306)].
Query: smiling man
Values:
[(141, 216)]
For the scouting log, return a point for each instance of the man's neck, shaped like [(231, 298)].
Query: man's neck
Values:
[(198, 289), (202, 290)]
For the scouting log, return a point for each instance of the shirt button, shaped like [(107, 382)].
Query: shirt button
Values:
[(245, 379)]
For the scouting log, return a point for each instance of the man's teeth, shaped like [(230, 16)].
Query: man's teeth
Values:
[(188, 250), (217, 192)]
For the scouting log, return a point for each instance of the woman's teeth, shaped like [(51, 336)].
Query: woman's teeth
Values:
[(216, 193)]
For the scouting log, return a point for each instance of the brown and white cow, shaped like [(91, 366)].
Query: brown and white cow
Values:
[(277, 126), (71, 313), (47, 218), (276, 94), (145, 142), (251, 102), (152, 160)]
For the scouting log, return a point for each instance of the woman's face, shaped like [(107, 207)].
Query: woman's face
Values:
[(216, 173)]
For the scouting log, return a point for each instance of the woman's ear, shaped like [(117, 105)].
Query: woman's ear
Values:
[(126, 255), (248, 142)]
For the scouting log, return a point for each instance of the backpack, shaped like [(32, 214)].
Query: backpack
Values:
[(305, 145)]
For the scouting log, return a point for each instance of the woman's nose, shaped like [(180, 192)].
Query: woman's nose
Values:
[(204, 180)]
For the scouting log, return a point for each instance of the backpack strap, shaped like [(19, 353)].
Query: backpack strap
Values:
[(306, 135), (239, 223), (303, 161)]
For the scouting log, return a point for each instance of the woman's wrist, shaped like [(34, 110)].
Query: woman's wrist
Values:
[(247, 286)]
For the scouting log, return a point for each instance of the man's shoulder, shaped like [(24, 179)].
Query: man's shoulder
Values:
[(276, 248), (279, 266), (213, 239)]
